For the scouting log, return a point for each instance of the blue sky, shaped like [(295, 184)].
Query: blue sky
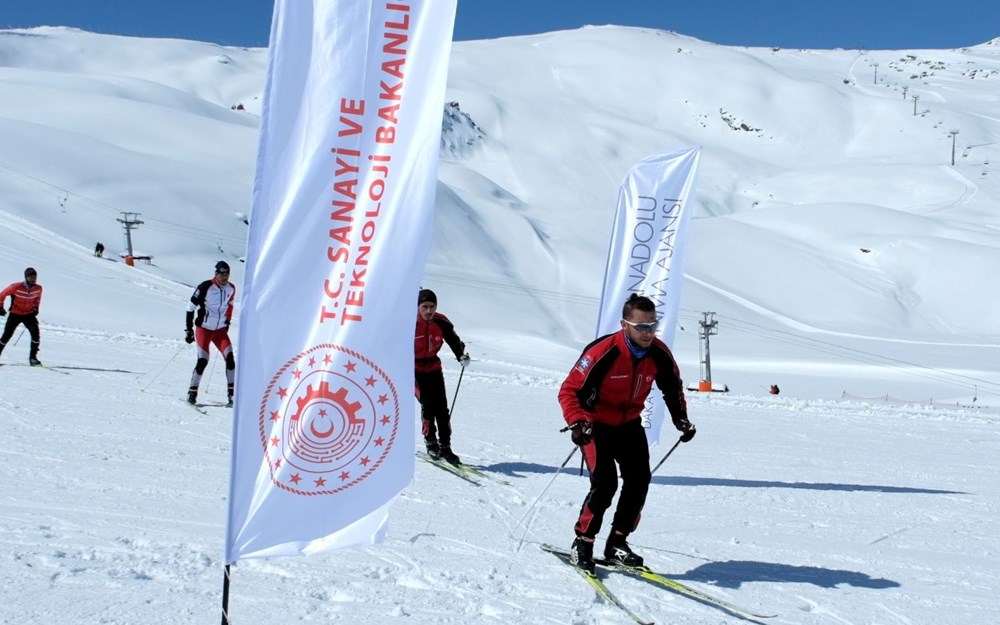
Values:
[(871, 24)]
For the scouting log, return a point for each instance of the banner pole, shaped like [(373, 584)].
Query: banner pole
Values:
[(225, 597)]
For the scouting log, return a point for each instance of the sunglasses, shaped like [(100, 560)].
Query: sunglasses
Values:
[(643, 327), (222, 273)]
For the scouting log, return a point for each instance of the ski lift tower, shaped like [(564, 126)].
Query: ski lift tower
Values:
[(130, 222), (708, 328)]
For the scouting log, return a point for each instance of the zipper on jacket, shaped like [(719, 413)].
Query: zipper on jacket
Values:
[(636, 379), (427, 333)]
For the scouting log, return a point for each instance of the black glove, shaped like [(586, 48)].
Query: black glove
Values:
[(581, 433), (189, 336), (688, 430), (3, 311), (464, 360), (34, 310)]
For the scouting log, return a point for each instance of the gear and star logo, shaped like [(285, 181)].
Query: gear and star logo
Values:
[(327, 421)]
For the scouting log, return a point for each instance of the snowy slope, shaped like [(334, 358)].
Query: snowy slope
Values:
[(838, 247)]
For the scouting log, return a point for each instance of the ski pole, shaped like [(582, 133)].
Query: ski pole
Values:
[(18, 337), (164, 368), (457, 386), (662, 460), (533, 503), (208, 379)]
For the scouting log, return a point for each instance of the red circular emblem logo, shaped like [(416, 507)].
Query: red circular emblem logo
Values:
[(327, 420)]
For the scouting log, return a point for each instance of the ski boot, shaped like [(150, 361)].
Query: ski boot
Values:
[(434, 450), (581, 554), (617, 551), (449, 455)]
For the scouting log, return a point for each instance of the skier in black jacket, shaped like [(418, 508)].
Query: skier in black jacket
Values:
[(433, 330)]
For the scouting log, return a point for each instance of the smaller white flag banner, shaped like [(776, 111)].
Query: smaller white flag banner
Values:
[(647, 250), (340, 230)]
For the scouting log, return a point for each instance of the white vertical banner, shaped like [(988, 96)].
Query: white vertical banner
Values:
[(647, 250), (340, 231)]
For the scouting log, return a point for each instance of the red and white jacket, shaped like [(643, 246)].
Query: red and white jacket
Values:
[(609, 385), (24, 298), (428, 339), (212, 305)]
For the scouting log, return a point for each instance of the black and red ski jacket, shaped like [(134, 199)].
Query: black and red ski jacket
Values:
[(428, 339), (609, 385), (24, 298)]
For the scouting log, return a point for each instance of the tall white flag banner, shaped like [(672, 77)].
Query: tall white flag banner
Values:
[(323, 431), (646, 255)]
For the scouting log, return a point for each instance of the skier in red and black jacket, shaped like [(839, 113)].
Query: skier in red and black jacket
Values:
[(602, 401), (25, 298), (433, 331)]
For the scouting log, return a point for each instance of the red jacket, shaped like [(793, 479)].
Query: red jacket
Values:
[(25, 299), (608, 385), (428, 339)]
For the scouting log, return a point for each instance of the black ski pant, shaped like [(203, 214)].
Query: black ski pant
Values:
[(435, 418), (615, 447), (31, 323)]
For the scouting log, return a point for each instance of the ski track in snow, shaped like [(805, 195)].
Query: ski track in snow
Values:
[(115, 502)]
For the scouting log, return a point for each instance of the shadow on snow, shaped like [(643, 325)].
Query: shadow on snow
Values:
[(874, 488), (733, 573), (518, 469)]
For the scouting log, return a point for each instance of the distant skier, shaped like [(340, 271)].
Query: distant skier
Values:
[(99, 250), (602, 400), (208, 317), (25, 298), (432, 332), (774, 389)]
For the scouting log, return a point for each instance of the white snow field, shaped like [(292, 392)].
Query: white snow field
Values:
[(847, 261)]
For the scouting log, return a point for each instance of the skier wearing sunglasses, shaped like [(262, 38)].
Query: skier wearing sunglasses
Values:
[(602, 400)]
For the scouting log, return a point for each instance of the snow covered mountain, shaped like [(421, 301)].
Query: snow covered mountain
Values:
[(840, 248), (827, 208)]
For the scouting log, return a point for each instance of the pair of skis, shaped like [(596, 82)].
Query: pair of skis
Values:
[(203, 408), (463, 471), (46, 367), (648, 574), (597, 584)]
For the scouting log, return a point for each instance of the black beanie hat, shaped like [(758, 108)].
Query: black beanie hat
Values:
[(222, 267), (427, 295), (30, 271)]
